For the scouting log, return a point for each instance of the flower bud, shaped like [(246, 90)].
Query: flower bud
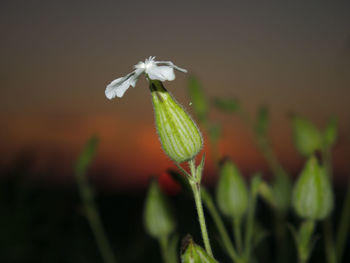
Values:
[(313, 195), (192, 253), (306, 136), (231, 192), (282, 190), (158, 219), (180, 137)]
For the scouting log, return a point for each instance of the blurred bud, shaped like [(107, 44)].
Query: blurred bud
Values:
[(180, 137), (192, 253), (231, 192), (197, 97), (227, 105), (312, 195), (262, 120), (330, 133), (306, 136), (282, 190), (158, 219)]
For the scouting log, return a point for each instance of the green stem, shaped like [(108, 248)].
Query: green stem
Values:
[(304, 240), (237, 233), (94, 219), (195, 183), (208, 202), (278, 171), (264, 146), (344, 225), (280, 237), (198, 201), (329, 242), (249, 228), (164, 248), (327, 224)]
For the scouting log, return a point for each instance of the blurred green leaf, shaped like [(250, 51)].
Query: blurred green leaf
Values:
[(198, 99), (200, 167), (87, 155), (214, 132), (259, 234), (262, 121), (331, 133), (307, 138), (181, 179), (227, 105)]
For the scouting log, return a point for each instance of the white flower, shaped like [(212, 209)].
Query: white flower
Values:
[(155, 70)]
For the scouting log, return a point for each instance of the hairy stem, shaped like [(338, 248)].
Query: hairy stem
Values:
[(195, 185), (198, 201)]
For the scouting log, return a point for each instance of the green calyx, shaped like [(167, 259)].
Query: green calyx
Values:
[(180, 137), (158, 219), (231, 192), (192, 253), (312, 194)]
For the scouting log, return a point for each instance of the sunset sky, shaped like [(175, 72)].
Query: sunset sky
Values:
[(58, 56)]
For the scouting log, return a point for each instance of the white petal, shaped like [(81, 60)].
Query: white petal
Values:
[(118, 87), (171, 64), (136, 76), (161, 73)]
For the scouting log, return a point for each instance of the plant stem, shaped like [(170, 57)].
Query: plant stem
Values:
[(94, 219), (343, 228), (198, 201), (194, 181), (264, 146), (304, 240), (237, 233), (208, 202), (328, 241), (249, 227), (327, 224), (262, 142), (164, 248)]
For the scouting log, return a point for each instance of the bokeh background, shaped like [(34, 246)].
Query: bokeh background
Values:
[(58, 56)]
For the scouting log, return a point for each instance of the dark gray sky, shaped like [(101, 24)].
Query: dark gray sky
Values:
[(58, 56), (288, 54)]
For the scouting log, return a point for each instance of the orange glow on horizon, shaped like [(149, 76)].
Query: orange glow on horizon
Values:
[(128, 153)]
